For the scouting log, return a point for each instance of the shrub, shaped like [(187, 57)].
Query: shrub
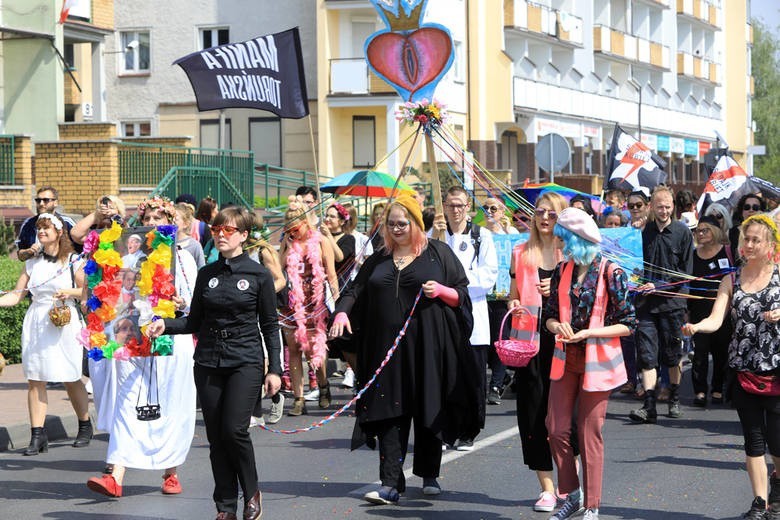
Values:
[(11, 317)]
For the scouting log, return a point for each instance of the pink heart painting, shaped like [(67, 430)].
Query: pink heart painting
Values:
[(411, 61)]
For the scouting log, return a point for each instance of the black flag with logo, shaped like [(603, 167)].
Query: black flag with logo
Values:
[(632, 165), (265, 73)]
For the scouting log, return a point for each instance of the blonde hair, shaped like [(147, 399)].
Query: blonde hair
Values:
[(762, 219), (718, 235), (186, 212), (533, 249)]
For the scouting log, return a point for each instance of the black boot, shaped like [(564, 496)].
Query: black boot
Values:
[(674, 402), (84, 435), (774, 496), (39, 443), (648, 413)]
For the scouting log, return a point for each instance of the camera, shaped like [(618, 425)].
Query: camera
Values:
[(118, 219), (105, 201)]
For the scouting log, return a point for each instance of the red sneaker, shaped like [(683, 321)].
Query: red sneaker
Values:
[(105, 485), (171, 484)]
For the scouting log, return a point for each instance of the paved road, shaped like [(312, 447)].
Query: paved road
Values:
[(689, 468)]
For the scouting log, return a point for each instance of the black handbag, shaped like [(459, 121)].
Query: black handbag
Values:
[(151, 410)]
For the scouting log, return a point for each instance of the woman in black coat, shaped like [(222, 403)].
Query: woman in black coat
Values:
[(429, 376)]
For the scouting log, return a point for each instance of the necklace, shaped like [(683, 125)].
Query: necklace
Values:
[(400, 261)]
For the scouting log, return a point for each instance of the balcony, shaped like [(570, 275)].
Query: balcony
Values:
[(351, 76), (663, 4), (631, 49), (693, 67), (541, 21), (700, 11)]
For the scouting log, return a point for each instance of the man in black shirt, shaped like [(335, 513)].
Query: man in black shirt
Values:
[(668, 250), (27, 243)]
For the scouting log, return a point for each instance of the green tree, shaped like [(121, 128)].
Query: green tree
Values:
[(766, 102)]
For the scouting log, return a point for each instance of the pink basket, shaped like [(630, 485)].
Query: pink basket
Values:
[(515, 352)]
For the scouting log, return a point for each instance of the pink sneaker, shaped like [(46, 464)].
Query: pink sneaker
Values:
[(546, 502)]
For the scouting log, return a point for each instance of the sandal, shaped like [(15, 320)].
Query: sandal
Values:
[(700, 400), (717, 398)]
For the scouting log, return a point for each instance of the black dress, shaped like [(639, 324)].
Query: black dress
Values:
[(346, 243), (430, 375)]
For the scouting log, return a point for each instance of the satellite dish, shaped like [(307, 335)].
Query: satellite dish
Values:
[(552, 153)]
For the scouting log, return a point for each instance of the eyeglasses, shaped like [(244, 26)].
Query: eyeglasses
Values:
[(702, 231), (541, 212), (44, 200), (751, 207), (400, 225), (636, 205), (491, 209), (456, 207), (225, 230)]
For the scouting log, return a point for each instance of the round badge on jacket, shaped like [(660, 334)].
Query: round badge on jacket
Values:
[(242, 285), (213, 283)]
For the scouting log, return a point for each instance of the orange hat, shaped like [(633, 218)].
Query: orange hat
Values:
[(412, 206)]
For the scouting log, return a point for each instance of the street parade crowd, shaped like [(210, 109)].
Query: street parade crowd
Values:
[(409, 309)]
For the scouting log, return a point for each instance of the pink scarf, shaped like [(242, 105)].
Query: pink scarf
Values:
[(317, 351)]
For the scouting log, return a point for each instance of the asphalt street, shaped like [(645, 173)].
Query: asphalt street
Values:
[(680, 469)]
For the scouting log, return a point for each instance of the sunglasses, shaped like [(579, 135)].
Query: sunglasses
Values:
[(541, 212), (456, 207), (751, 207), (491, 209), (399, 225), (45, 200), (718, 216), (225, 230), (636, 205)]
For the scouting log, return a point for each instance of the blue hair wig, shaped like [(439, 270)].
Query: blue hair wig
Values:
[(575, 247)]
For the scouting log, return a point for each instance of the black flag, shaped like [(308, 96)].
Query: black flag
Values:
[(632, 164), (264, 73)]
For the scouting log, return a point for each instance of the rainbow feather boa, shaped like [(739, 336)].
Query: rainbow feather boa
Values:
[(317, 351)]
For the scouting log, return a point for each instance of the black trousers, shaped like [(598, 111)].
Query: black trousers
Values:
[(227, 396), (393, 444), (480, 354), (716, 344)]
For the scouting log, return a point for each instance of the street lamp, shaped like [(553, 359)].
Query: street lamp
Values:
[(634, 83)]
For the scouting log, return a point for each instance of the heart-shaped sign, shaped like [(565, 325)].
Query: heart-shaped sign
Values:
[(411, 62)]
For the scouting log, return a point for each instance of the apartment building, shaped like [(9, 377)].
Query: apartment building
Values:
[(674, 72)]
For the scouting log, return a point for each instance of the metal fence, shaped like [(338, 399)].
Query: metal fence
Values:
[(147, 165), (7, 173)]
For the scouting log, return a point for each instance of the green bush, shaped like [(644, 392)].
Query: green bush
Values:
[(11, 318)]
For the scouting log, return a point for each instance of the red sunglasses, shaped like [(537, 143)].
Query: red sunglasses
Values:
[(225, 230)]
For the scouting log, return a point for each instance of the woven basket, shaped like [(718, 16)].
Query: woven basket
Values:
[(515, 352)]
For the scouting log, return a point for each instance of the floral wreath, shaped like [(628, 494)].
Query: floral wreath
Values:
[(424, 112), (343, 212), (156, 284), (157, 202)]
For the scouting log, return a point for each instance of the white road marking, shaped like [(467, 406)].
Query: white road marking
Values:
[(448, 456)]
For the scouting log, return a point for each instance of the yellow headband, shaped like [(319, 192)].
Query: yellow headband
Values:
[(767, 221)]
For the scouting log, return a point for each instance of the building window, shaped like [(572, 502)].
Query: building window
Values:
[(136, 128), (209, 133), (212, 37), (136, 50), (457, 63), (363, 141), (68, 54), (265, 140)]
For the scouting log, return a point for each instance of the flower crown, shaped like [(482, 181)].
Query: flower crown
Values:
[(163, 203), (767, 221), (343, 212)]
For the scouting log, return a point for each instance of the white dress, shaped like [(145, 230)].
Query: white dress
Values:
[(162, 443), (49, 353)]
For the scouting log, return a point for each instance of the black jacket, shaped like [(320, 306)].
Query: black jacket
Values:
[(230, 299)]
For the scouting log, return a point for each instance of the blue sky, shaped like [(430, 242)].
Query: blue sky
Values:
[(768, 11)]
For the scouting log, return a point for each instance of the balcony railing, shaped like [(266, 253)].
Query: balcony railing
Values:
[(701, 10), (542, 20), (698, 68), (628, 47), (7, 159), (352, 76)]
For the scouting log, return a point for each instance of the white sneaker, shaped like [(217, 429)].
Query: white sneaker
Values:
[(349, 379), (277, 410), (314, 395), (88, 386), (256, 421), (591, 514)]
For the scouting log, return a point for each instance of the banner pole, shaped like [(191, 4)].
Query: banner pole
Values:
[(435, 183), (316, 167)]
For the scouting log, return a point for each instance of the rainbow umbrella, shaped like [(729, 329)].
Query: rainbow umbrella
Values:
[(531, 191), (366, 183)]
